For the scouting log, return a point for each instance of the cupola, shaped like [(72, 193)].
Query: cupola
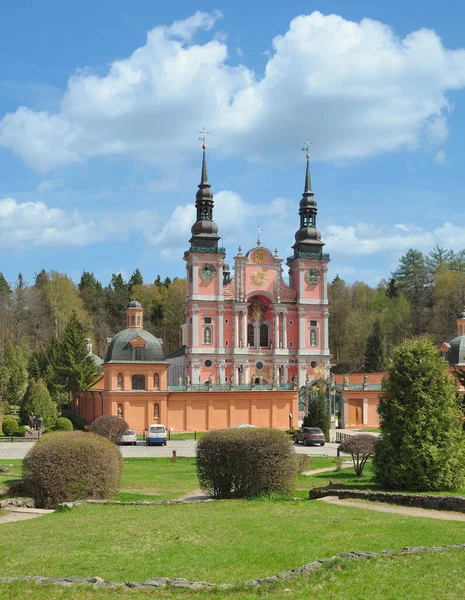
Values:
[(134, 315)]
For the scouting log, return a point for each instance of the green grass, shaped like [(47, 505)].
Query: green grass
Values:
[(226, 541), (427, 576), (13, 473)]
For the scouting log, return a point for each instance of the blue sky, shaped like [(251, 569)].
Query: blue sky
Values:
[(101, 104)]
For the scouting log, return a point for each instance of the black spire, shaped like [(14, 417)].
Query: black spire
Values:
[(308, 238), (204, 231)]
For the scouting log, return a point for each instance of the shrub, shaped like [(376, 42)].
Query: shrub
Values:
[(10, 426), (63, 424), (361, 447), (244, 463), (66, 466), (421, 447), (6, 408), (109, 427), (303, 463), (20, 432), (37, 401)]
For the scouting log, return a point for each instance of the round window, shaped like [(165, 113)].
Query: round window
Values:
[(313, 364), (259, 366), (208, 363)]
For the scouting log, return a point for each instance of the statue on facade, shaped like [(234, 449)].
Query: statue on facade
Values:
[(179, 380), (188, 381), (331, 379), (307, 379), (210, 381), (346, 381), (365, 381), (294, 380), (274, 381)]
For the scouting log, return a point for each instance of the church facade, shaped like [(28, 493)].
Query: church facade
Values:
[(253, 325)]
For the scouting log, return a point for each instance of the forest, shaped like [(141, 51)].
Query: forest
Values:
[(42, 322)]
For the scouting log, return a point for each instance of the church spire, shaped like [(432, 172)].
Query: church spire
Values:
[(204, 231), (307, 238)]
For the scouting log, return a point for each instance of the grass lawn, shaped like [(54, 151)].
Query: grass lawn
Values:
[(14, 470), (225, 541), (427, 576)]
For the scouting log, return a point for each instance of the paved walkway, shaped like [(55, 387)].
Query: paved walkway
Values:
[(18, 513), (406, 511)]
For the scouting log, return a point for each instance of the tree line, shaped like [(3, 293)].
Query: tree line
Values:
[(422, 296), (43, 326)]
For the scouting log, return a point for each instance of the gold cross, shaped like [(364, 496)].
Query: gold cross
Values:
[(203, 139), (307, 148)]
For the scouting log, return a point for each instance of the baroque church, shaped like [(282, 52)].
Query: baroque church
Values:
[(251, 325)]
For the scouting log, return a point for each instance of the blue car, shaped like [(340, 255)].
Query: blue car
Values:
[(156, 434)]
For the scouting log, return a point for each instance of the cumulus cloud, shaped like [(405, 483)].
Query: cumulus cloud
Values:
[(25, 225), (355, 87)]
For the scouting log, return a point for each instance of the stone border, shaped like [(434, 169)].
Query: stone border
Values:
[(180, 582), (451, 503), (135, 502)]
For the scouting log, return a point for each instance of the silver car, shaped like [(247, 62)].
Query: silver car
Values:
[(128, 437)]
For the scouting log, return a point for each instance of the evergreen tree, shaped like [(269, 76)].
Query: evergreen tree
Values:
[(421, 447), (317, 412), (13, 379), (38, 402), (392, 290), (135, 279), (374, 351), (75, 369)]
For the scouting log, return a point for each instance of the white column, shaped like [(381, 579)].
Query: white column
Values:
[(286, 374), (221, 373), (220, 328), (325, 284), (285, 331), (301, 374), (325, 343), (195, 328), (246, 373), (244, 329), (235, 371), (365, 411), (257, 334), (195, 277), (301, 330), (195, 374), (276, 329), (236, 331)]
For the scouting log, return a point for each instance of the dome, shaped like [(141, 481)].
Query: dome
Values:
[(120, 349), (456, 354), (98, 362), (204, 227), (134, 304), (309, 233)]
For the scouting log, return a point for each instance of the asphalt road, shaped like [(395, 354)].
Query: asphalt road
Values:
[(182, 447)]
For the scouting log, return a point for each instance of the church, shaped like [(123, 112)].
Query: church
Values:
[(253, 336)]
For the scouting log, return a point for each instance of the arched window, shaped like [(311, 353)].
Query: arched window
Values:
[(207, 335), (138, 353), (119, 381), (133, 320), (313, 337), (156, 381), (138, 320), (250, 335), (264, 335), (138, 382), (156, 411)]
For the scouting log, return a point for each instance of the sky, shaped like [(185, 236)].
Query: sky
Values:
[(102, 102)]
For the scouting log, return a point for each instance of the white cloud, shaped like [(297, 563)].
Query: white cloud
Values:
[(48, 185), (356, 88), (440, 158), (25, 225)]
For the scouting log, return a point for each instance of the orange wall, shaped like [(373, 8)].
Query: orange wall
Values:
[(196, 411)]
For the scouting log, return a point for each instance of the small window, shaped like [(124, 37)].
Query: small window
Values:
[(264, 335), (133, 320), (208, 363), (207, 320), (207, 335), (138, 382), (156, 411), (138, 353), (313, 323), (313, 364), (290, 344), (226, 321), (138, 320), (226, 343), (259, 366), (190, 320), (226, 378), (291, 322), (250, 335)]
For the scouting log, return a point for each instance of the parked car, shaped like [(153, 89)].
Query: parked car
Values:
[(128, 437), (156, 434), (310, 436)]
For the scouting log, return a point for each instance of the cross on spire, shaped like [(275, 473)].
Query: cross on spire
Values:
[(203, 137), (307, 148), (259, 231)]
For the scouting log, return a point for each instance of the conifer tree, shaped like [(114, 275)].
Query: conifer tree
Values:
[(317, 413), (13, 374), (38, 402), (75, 369), (422, 446), (374, 351)]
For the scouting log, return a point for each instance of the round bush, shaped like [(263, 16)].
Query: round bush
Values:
[(109, 427), (20, 432), (66, 466), (6, 408), (63, 424), (10, 426), (245, 463)]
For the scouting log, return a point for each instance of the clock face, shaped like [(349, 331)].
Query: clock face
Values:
[(312, 276), (208, 272)]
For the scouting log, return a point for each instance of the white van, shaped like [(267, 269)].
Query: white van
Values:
[(156, 434)]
